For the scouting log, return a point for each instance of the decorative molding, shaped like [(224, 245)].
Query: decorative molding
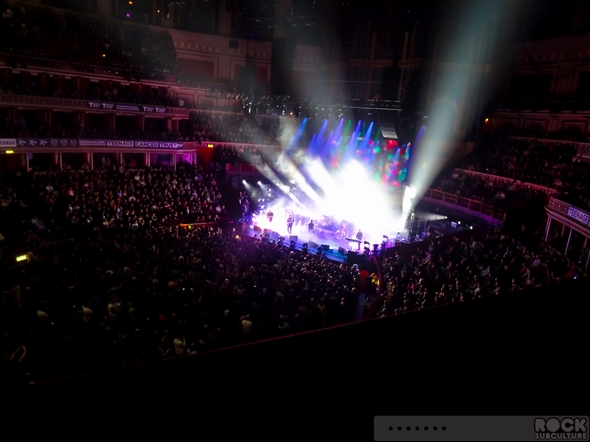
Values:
[(558, 206), (193, 46), (535, 122)]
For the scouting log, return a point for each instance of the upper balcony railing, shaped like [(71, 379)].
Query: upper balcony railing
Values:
[(466, 204), (70, 67), (570, 215), (81, 105), (547, 190)]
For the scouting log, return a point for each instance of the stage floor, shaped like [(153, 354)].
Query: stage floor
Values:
[(322, 237)]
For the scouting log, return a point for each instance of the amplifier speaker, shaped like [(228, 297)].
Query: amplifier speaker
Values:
[(312, 245), (325, 247), (293, 238), (342, 250)]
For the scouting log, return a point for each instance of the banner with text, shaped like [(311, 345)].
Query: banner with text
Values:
[(127, 107), (578, 215), (47, 142), (7, 142), (72, 142)]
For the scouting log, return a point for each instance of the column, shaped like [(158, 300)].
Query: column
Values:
[(548, 229), (563, 230), (224, 20), (119, 158), (569, 238), (90, 160), (27, 162), (174, 161), (59, 156), (147, 159)]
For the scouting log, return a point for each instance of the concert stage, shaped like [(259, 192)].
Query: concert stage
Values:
[(333, 243), (325, 235), (428, 221)]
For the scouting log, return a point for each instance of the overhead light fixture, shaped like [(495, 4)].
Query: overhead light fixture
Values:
[(9, 151), (21, 258)]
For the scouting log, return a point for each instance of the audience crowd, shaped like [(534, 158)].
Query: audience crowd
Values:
[(40, 33), (113, 278), (546, 163), (230, 128), (202, 127), (452, 270), (489, 190), (113, 92)]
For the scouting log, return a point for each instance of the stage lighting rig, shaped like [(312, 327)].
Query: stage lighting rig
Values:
[(313, 106)]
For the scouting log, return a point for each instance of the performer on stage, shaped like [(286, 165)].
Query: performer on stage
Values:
[(290, 221), (310, 227), (270, 216), (359, 236)]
